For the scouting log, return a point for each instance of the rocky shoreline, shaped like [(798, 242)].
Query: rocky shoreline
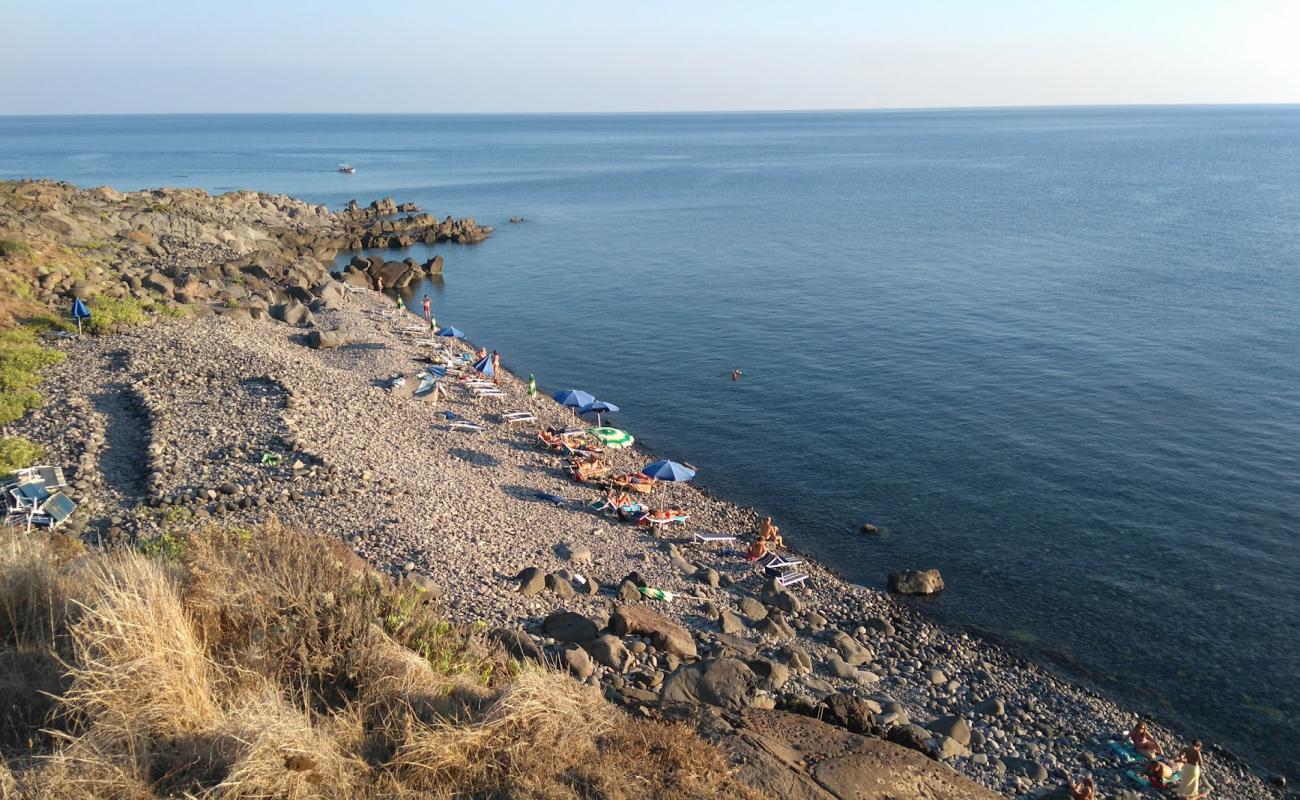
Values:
[(273, 397)]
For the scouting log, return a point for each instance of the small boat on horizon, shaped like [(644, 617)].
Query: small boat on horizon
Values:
[(348, 168)]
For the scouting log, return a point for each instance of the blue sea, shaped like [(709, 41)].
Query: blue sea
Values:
[(1055, 353)]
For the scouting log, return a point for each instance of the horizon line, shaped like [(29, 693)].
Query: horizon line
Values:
[(663, 112)]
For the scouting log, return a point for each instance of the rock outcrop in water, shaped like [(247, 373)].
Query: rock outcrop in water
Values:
[(240, 250)]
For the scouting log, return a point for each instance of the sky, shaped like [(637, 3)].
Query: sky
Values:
[(130, 56)]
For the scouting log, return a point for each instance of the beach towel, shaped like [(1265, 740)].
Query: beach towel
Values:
[(550, 498), (655, 594), (1127, 753)]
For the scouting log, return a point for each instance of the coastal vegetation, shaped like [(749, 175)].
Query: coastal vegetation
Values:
[(18, 453), (266, 663), (21, 360)]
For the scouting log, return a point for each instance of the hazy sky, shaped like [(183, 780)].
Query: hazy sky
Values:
[(103, 56)]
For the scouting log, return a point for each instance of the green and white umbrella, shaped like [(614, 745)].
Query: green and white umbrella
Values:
[(612, 437)]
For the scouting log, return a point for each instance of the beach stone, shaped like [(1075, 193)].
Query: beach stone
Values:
[(532, 580), (577, 553), (916, 582), (609, 651), (772, 675), (589, 586), (628, 592), (796, 658), (950, 748), (954, 727), (752, 608), (730, 622), (666, 634), (426, 584), (880, 625), (852, 713), (577, 661), (292, 313), (518, 644), (775, 626), (569, 626), (1032, 770), (992, 707), (725, 682), (851, 650), (774, 595), (324, 340), (913, 737), (559, 584), (936, 677), (708, 576)]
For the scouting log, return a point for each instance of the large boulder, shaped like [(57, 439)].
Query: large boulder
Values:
[(725, 682), (321, 340), (916, 581), (609, 651), (666, 634), (851, 650), (953, 727), (292, 313), (774, 595), (518, 644), (569, 626)]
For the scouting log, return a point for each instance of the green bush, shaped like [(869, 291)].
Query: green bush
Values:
[(14, 249), (107, 312), (18, 453), (21, 361)]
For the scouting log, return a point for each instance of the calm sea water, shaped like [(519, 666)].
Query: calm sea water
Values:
[(1055, 352)]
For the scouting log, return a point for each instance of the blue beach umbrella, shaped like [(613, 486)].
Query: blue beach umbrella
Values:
[(574, 398), (455, 333), (599, 407), (668, 471), (79, 312), (484, 365)]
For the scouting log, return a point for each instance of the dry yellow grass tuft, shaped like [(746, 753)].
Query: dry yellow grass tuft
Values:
[(270, 664)]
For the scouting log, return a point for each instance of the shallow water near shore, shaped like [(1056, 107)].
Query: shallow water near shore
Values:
[(1055, 353)]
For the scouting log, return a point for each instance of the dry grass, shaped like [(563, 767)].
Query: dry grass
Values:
[(269, 664)]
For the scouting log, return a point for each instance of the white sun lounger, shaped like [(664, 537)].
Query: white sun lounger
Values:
[(467, 427), (792, 579), (778, 561), (711, 538), (511, 417), (479, 384), (489, 393)]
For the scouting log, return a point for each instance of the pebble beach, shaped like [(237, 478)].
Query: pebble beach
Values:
[(188, 411)]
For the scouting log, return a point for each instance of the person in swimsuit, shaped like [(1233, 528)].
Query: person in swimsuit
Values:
[(770, 532), (1189, 783), (428, 310), (1085, 789), (757, 549), (1143, 741)]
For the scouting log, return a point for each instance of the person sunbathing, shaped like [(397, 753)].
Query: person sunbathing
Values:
[(756, 550), (1158, 774), (770, 532), (1143, 741), (1085, 789)]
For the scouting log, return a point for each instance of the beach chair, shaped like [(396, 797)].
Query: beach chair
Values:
[(478, 384), (792, 579), (53, 512), (659, 522), (712, 538), (51, 477), (511, 417), (481, 393), (466, 427), (27, 497), (777, 561)]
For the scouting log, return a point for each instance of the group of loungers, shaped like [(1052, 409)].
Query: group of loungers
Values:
[(34, 498)]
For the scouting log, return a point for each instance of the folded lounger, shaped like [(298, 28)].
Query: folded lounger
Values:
[(467, 427), (778, 561), (489, 393), (52, 477), (517, 416), (54, 511), (711, 538)]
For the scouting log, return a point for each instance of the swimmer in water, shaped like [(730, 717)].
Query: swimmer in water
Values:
[(735, 374)]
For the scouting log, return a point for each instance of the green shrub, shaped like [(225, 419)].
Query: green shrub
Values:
[(18, 453), (21, 361), (108, 312), (166, 546), (10, 248)]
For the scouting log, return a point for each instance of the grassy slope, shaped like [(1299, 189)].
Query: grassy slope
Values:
[(270, 664)]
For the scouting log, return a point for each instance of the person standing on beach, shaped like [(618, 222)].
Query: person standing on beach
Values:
[(428, 311), (379, 284), (496, 366)]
